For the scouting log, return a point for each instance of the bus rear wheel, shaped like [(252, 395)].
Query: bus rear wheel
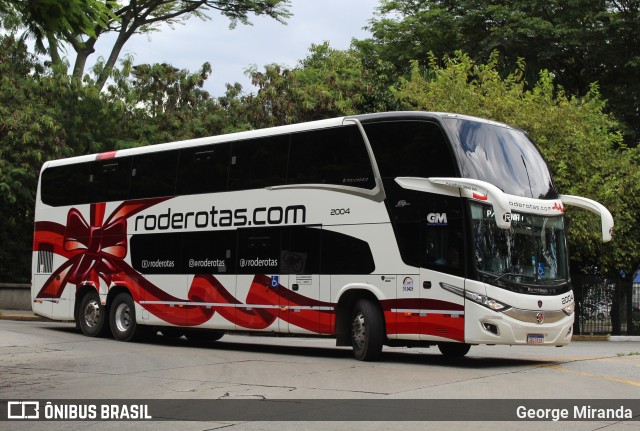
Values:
[(367, 330), (454, 350), (92, 315), (122, 319)]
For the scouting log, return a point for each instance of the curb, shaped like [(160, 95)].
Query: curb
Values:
[(19, 316), (634, 338), (614, 338), (590, 338)]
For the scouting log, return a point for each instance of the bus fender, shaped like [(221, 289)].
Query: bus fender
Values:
[(345, 301), (377, 292)]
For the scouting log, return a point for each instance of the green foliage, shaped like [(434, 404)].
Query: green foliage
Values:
[(29, 132), (43, 116), (328, 83), (578, 41), (568, 45), (143, 17), (578, 139), (49, 21), (162, 104)]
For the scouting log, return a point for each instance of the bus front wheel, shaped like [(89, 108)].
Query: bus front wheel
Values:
[(367, 330)]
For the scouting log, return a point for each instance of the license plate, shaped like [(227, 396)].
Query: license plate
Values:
[(535, 339)]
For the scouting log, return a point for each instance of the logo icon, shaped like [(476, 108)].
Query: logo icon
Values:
[(540, 318), (437, 219), (23, 410), (402, 204), (507, 217), (407, 284), (540, 304)]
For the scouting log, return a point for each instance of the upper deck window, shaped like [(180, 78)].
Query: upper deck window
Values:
[(330, 156), (410, 149), (502, 156)]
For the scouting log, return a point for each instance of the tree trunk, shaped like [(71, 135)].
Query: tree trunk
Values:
[(82, 54), (113, 57), (53, 50)]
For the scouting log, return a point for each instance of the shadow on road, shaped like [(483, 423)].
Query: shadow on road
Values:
[(418, 356)]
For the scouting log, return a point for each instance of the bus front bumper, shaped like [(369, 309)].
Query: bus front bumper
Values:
[(517, 326)]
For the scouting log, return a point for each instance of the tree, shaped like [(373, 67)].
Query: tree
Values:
[(577, 138), (163, 104), (48, 21), (144, 16), (578, 41), (327, 83), (29, 132), (43, 116)]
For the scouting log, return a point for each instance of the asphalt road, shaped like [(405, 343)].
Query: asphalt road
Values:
[(49, 360)]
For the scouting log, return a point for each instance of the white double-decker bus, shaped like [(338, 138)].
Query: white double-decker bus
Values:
[(401, 229)]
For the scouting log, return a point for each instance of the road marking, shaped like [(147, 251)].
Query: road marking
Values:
[(600, 376)]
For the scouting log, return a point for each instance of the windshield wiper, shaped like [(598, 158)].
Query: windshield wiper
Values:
[(512, 274), (495, 278)]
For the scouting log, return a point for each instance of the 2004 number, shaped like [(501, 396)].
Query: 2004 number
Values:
[(340, 211)]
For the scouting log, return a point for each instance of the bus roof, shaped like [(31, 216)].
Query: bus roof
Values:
[(271, 131)]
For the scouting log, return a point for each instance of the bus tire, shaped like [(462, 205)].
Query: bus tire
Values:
[(122, 319), (367, 330), (454, 350), (92, 316)]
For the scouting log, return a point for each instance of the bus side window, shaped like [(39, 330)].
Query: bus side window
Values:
[(408, 238), (203, 169), (157, 253), (212, 252), (330, 156), (259, 163), (442, 247), (109, 180), (65, 185), (154, 175), (411, 149), (343, 254), (300, 250), (258, 251)]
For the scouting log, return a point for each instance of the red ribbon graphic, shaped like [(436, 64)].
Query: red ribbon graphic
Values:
[(95, 251), (98, 246)]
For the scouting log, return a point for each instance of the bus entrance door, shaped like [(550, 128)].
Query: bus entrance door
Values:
[(441, 312), (302, 298)]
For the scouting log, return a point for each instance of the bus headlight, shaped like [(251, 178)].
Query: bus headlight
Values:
[(488, 302), (483, 300), (569, 309)]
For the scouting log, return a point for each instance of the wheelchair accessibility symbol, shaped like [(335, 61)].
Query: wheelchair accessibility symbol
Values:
[(275, 281)]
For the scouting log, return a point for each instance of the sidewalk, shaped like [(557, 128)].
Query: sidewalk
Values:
[(19, 315)]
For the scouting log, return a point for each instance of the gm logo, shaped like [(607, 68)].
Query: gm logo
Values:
[(437, 219)]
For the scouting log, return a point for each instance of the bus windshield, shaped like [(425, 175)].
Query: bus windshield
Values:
[(501, 156), (531, 253)]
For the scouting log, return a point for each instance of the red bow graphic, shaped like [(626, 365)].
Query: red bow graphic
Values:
[(94, 250), (98, 246)]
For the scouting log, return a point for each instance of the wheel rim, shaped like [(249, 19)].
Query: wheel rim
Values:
[(92, 313), (358, 330), (123, 317)]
